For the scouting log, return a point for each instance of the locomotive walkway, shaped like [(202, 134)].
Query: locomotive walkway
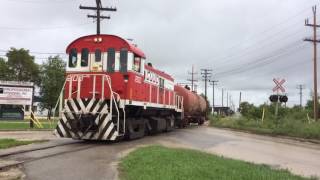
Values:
[(99, 160)]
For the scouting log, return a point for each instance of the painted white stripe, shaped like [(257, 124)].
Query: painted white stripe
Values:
[(104, 123), (96, 108), (68, 112), (74, 107), (83, 108), (90, 105), (62, 130), (64, 119), (104, 109), (105, 136), (114, 136)]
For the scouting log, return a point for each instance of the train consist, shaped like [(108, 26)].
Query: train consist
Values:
[(112, 93)]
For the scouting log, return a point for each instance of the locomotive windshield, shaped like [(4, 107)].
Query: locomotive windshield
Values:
[(111, 60), (136, 64), (123, 60), (73, 58), (84, 57), (98, 55)]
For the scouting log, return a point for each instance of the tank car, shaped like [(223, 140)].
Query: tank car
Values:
[(194, 106)]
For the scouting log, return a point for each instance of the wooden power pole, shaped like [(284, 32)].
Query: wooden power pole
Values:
[(206, 74), (314, 41), (300, 87), (98, 16), (193, 80), (213, 83)]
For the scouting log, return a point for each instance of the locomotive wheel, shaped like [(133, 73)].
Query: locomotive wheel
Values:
[(135, 128), (170, 123), (201, 121)]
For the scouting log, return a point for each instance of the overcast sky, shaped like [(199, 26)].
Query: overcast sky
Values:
[(246, 43)]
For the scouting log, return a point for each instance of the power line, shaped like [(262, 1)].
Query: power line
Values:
[(260, 62), (263, 45), (269, 29)]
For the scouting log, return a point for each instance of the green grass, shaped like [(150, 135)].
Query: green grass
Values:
[(23, 125), (285, 126), (8, 143), (157, 162)]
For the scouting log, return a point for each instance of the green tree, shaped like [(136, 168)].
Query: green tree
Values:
[(5, 72), (22, 65), (52, 79)]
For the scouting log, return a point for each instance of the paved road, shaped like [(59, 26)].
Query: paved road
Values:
[(99, 160)]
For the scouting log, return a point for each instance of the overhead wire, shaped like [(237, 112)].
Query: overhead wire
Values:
[(260, 62)]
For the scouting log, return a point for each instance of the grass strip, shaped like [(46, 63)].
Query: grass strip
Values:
[(157, 162), (8, 143), (286, 127), (23, 125)]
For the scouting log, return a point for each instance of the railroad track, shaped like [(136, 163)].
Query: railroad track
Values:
[(18, 158)]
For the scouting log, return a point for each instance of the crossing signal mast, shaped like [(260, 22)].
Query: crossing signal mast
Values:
[(98, 15)]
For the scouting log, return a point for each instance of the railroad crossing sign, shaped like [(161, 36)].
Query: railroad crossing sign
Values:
[(279, 86)]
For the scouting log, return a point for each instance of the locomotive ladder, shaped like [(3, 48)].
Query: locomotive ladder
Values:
[(114, 104)]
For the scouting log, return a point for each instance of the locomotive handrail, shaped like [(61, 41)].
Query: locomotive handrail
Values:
[(114, 97)]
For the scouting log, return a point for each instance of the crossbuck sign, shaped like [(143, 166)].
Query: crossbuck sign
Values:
[(279, 86)]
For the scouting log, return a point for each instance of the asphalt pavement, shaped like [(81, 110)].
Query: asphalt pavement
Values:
[(99, 160)]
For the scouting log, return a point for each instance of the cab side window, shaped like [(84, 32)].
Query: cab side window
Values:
[(84, 57), (161, 83), (73, 59), (111, 60), (98, 55), (123, 60), (136, 64)]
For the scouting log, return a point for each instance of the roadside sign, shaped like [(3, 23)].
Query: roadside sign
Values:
[(279, 85), (16, 93)]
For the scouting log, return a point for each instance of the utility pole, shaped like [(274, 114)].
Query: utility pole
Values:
[(300, 87), (98, 15), (206, 74), (192, 80), (227, 99), (240, 96), (315, 41), (222, 97), (213, 83)]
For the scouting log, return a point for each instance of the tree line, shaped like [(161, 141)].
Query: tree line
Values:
[(19, 65)]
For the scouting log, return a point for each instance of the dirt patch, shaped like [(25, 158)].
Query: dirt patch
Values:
[(12, 174)]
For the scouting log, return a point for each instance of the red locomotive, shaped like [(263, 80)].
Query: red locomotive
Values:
[(111, 92)]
